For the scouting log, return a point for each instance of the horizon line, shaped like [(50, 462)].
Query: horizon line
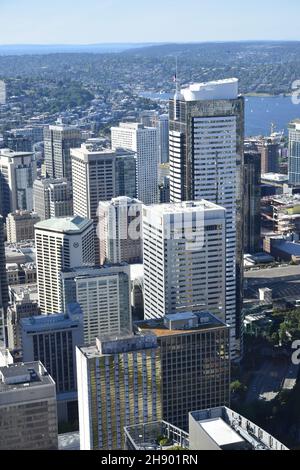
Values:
[(219, 41)]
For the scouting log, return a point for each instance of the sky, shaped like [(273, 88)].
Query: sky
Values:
[(107, 21)]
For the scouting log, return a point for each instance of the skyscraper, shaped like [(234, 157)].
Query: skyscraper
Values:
[(294, 153), (52, 198), (144, 141), (161, 122), (2, 92), (252, 197), (60, 244), (58, 140), (97, 175), (120, 230), (195, 363), (3, 283), (184, 263), (52, 339), (104, 297), (206, 162), (17, 174), (119, 380)]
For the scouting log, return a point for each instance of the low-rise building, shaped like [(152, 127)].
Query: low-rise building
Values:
[(28, 417), (20, 226)]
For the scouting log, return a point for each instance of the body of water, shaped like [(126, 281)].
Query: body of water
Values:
[(260, 112)]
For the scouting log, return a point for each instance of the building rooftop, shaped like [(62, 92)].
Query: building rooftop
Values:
[(12, 154), (223, 429), (69, 441), (220, 432), (22, 291), (54, 321), (21, 375), (68, 225), (214, 90), (275, 177), (179, 323), (187, 206)]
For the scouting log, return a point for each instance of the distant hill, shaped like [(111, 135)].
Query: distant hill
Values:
[(32, 49)]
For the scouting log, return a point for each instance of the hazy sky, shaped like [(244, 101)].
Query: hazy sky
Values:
[(93, 21)]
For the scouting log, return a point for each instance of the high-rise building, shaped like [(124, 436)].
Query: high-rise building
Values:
[(252, 197), (195, 363), (58, 141), (20, 226), (144, 141), (294, 153), (206, 162), (119, 230), (97, 175), (161, 122), (164, 182), (148, 117), (28, 416), (52, 198), (23, 139), (184, 262), (119, 382), (2, 92), (104, 297), (125, 173), (52, 339), (17, 174), (60, 244), (24, 306), (3, 283), (269, 151)]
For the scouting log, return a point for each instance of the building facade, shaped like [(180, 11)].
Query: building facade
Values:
[(28, 416), (17, 174), (58, 141), (184, 263), (52, 339), (144, 141), (206, 162), (118, 385), (20, 226), (119, 230), (104, 297), (195, 363), (252, 197), (294, 153), (52, 198), (3, 282), (61, 243)]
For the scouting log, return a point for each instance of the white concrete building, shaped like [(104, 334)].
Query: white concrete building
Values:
[(145, 142), (2, 92), (184, 262), (104, 297), (120, 230), (17, 173), (61, 244)]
